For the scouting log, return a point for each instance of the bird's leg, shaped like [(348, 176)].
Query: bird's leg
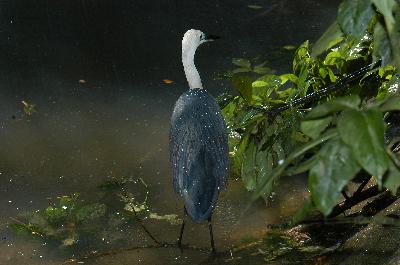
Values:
[(213, 251), (182, 228)]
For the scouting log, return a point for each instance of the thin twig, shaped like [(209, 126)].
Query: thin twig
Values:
[(140, 221)]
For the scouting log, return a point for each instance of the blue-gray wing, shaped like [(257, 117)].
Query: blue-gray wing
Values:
[(198, 140)]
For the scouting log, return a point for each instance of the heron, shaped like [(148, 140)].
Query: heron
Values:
[(198, 142)]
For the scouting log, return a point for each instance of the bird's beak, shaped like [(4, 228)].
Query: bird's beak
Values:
[(211, 37)]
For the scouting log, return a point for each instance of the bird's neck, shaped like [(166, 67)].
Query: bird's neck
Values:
[(192, 75)]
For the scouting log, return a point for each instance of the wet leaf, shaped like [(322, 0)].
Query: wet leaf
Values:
[(69, 241), (29, 109), (288, 77), (386, 8), (337, 104), (354, 16), (167, 81), (393, 180), (363, 132), (391, 104), (382, 46), (245, 63), (254, 6), (248, 166), (301, 57), (259, 83), (263, 70), (171, 218), (243, 84), (241, 70), (335, 166), (289, 47), (313, 128), (56, 216)]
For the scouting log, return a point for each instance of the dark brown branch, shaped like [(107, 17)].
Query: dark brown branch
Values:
[(354, 200)]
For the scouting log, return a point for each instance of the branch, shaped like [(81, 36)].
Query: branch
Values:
[(354, 200)]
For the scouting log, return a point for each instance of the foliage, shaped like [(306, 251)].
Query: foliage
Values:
[(65, 222), (331, 140), (74, 219)]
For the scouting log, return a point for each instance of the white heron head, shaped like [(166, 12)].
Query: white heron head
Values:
[(191, 40)]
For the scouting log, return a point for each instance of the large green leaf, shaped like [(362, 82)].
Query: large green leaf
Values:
[(337, 104), (354, 16), (265, 187), (386, 8), (249, 165), (334, 168), (391, 104), (363, 131), (313, 128), (242, 83), (382, 46), (390, 9), (393, 180)]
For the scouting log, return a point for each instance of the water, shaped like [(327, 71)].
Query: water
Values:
[(116, 122)]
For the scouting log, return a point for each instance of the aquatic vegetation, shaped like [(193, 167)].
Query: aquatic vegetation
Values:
[(333, 140), (73, 219)]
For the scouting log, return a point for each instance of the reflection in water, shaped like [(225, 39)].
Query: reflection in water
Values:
[(84, 131)]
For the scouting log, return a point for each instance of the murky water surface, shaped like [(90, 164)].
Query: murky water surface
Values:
[(115, 123)]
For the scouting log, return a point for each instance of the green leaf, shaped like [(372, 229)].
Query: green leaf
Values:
[(288, 77), (259, 83), (20, 228), (382, 46), (331, 37), (301, 57), (334, 168), (289, 47), (333, 57), (245, 63), (56, 216), (386, 8), (393, 180), (248, 166), (265, 187), (243, 84), (241, 70), (263, 70), (337, 104), (171, 218), (354, 16), (254, 6), (313, 128), (391, 104), (363, 132)]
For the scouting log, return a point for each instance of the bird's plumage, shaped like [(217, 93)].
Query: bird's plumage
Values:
[(198, 152)]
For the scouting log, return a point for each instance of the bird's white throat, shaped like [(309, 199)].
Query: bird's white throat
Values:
[(192, 75)]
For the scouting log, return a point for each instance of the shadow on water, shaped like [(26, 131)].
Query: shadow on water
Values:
[(117, 125)]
